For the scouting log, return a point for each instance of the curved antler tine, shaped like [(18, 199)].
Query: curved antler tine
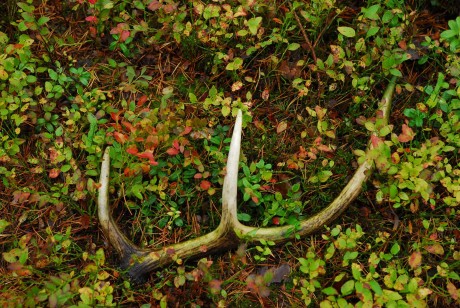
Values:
[(340, 203), (122, 244)]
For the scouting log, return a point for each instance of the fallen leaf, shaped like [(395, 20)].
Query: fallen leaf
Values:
[(54, 173), (237, 86), (415, 259), (282, 126), (436, 249), (265, 94), (453, 291), (407, 134)]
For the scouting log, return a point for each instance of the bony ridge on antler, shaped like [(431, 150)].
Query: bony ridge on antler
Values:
[(230, 232)]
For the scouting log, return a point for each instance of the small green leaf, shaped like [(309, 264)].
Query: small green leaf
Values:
[(3, 225), (347, 287), (43, 20), (235, 65), (375, 287), (395, 72), (254, 24), (372, 31), (395, 249), (293, 46), (225, 110), (244, 217), (371, 12), (347, 31), (330, 291)]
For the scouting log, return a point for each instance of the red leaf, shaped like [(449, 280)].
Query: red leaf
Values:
[(116, 116), (376, 141), (154, 5), (149, 155), (92, 1), (129, 126), (124, 35), (121, 138), (407, 134), (172, 151), (92, 19), (186, 131), (132, 149), (205, 185)]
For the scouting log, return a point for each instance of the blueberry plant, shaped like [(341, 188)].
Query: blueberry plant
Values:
[(160, 81)]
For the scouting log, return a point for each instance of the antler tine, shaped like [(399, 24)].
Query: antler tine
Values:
[(122, 244), (140, 261)]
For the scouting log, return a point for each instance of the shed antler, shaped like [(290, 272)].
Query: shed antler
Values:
[(230, 232)]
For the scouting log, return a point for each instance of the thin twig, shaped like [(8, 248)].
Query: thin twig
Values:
[(311, 48)]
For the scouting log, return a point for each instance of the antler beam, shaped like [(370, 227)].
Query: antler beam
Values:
[(230, 232)]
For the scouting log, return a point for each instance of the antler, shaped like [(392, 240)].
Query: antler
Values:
[(230, 232)]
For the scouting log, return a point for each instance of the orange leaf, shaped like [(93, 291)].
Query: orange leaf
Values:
[(142, 100), (128, 172), (116, 116), (205, 185), (325, 148), (54, 173), (121, 138), (203, 248)]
